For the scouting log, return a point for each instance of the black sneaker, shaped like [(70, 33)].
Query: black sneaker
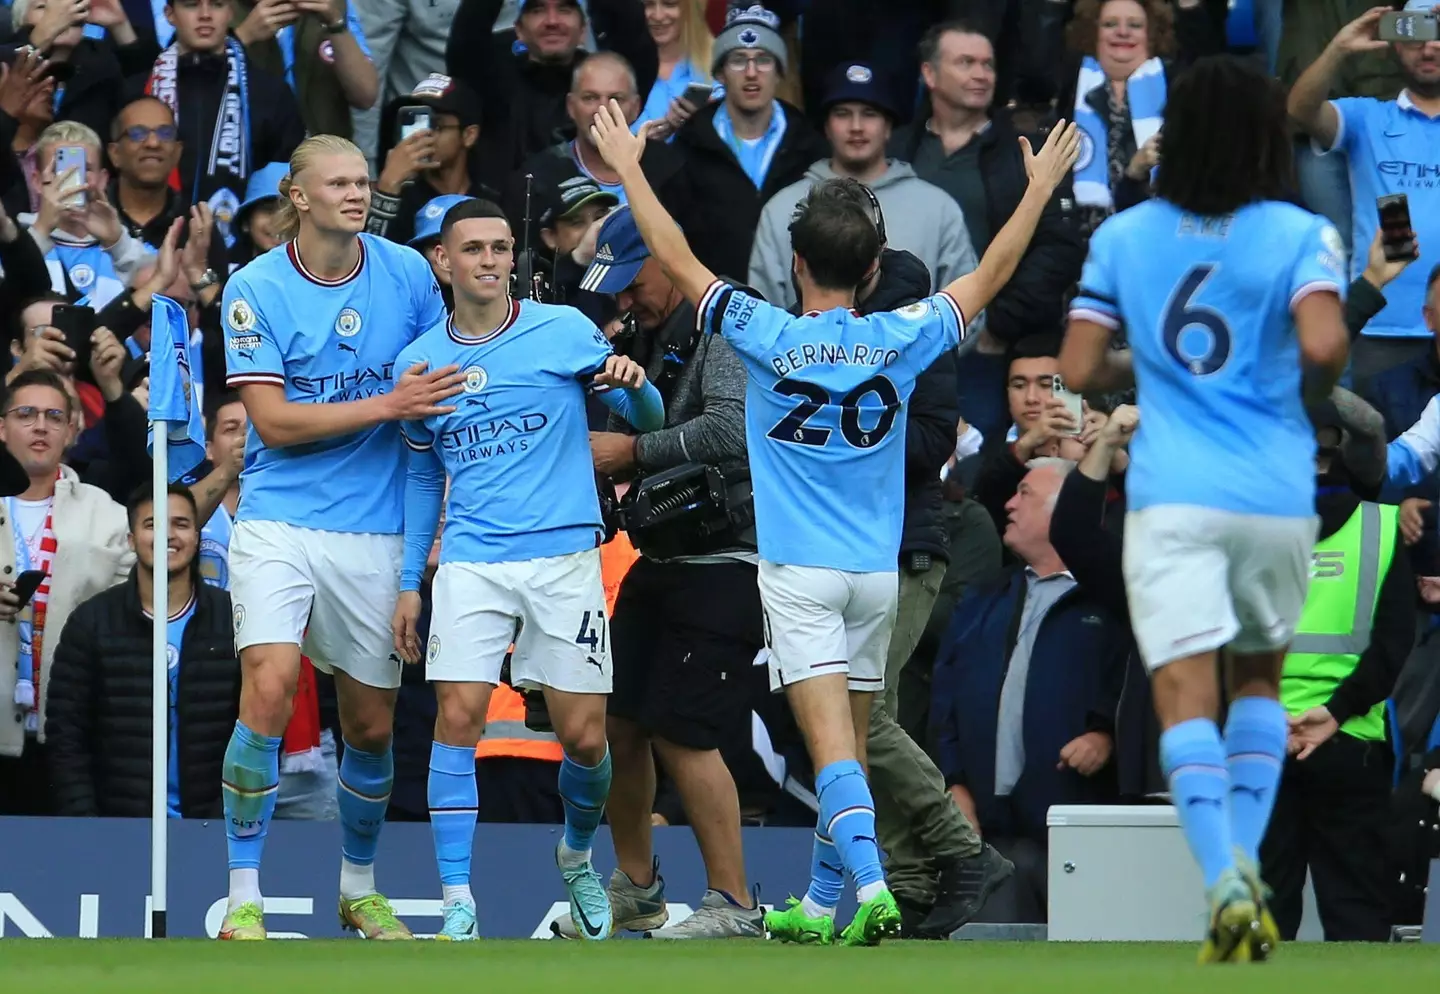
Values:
[(965, 884), (912, 913)]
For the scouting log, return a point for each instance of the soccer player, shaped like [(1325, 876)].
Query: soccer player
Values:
[(520, 554), (312, 330), (1223, 293), (825, 392)]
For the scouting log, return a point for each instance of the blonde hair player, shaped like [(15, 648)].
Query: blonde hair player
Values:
[(312, 330)]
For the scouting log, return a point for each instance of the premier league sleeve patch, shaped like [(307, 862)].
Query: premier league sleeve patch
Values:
[(241, 318)]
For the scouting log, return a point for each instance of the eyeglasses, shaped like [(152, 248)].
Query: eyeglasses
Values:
[(739, 62), (27, 416), (139, 134)]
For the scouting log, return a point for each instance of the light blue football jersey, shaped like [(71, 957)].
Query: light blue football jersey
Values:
[(517, 447), (1206, 304), (824, 421), (214, 553), (327, 342)]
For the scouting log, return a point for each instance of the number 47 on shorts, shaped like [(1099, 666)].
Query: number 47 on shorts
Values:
[(592, 636)]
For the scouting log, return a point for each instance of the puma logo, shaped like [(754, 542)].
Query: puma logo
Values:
[(348, 348)]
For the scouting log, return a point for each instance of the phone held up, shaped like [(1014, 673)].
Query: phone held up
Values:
[(1409, 25), (1073, 404), (68, 157), (77, 324), (1397, 237)]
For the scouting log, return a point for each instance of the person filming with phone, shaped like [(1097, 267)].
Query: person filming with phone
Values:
[(1391, 146), (67, 542)]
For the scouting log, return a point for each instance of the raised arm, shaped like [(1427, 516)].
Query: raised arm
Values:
[(1047, 169), (621, 151)]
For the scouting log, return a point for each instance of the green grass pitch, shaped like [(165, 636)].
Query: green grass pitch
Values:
[(38, 966)]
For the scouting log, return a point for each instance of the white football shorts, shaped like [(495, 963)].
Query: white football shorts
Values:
[(1198, 579), (331, 593), (820, 621), (552, 609)]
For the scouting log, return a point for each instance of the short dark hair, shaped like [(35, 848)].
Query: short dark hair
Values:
[(467, 210), (835, 234), (145, 494), (1038, 346), (38, 378), (1226, 138), (929, 48), (213, 403), (116, 131)]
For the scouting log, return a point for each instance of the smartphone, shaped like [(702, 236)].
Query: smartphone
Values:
[(69, 157), (1072, 404), (1412, 25), (26, 584), (1397, 237), (78, 324), (697, 95), (409, 120)]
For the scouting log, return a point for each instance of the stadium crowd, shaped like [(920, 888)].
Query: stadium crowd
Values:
[(144, 146)]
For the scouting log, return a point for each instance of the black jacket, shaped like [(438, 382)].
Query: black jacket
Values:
[(1032, 302), (727, 205), (931, 414), (524, 100), (97, 77), (98, 721)]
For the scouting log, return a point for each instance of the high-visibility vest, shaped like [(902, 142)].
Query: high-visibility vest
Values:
[(506, 734), (1347, 571), (616, 558)]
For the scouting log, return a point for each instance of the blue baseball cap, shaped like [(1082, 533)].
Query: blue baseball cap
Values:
[(856, 81), (263, 185), (619, 254), (429, 218)]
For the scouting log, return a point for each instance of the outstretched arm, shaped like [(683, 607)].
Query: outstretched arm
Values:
[(621, 151), (974, 291)]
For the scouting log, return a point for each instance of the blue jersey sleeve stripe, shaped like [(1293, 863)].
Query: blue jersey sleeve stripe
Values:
[(242, 379), (706, 300), (1314, 286), (955, 305)]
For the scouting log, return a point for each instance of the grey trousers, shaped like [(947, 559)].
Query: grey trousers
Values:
[(915, 818), (407, 43)]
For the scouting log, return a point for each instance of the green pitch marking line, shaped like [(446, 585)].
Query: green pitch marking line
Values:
[(625, 967)]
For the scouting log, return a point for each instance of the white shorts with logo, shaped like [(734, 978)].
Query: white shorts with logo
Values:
[(552, 609), (822, 621), (331, 593), (1199, 579)]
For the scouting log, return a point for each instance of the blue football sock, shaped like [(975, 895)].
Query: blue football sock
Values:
[(363, 790), (847, 816), (454, 800), (1255, 734), (584, 789), (250, 781), (827, 873), (1193, 758)]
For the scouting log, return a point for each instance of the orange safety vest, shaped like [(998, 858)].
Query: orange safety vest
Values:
[(505, 731)]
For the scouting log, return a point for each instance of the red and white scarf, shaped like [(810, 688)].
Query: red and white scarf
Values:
[(33, 552)]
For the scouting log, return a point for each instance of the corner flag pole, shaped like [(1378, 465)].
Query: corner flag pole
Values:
[(160, 691)]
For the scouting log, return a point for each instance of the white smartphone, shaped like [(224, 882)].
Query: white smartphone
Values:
[(69, 157), (1073, 403)]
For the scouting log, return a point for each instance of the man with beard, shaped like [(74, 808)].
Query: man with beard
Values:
[(1391, 148)]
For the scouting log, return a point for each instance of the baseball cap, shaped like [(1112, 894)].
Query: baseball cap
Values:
[(860, 82), (263, 185), (429, 218), (571, 195), (619, 254), (447, 95), (527, 5)]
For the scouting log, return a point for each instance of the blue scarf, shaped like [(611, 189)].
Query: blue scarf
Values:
[(1145, 93), (88, 269), (754, 157)]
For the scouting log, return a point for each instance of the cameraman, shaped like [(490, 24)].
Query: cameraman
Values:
[(687, 623)]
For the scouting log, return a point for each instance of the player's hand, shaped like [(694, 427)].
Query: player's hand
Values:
[(1380, 271), (107, 358), (1412, 525), (419, 394), (1120, 428), (621, 371), (1361, 34), (620, 149), (1309, 731), (966, 804), (1048, 167), (406, 160), (1086, 754), (403, 626), (613, 452)]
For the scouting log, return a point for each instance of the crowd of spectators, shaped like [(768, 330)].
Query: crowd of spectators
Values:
[(141, 152)]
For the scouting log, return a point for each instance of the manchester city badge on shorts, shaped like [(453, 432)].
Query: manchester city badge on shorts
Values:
[(347, 325), (432, 651), (239, 617)]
